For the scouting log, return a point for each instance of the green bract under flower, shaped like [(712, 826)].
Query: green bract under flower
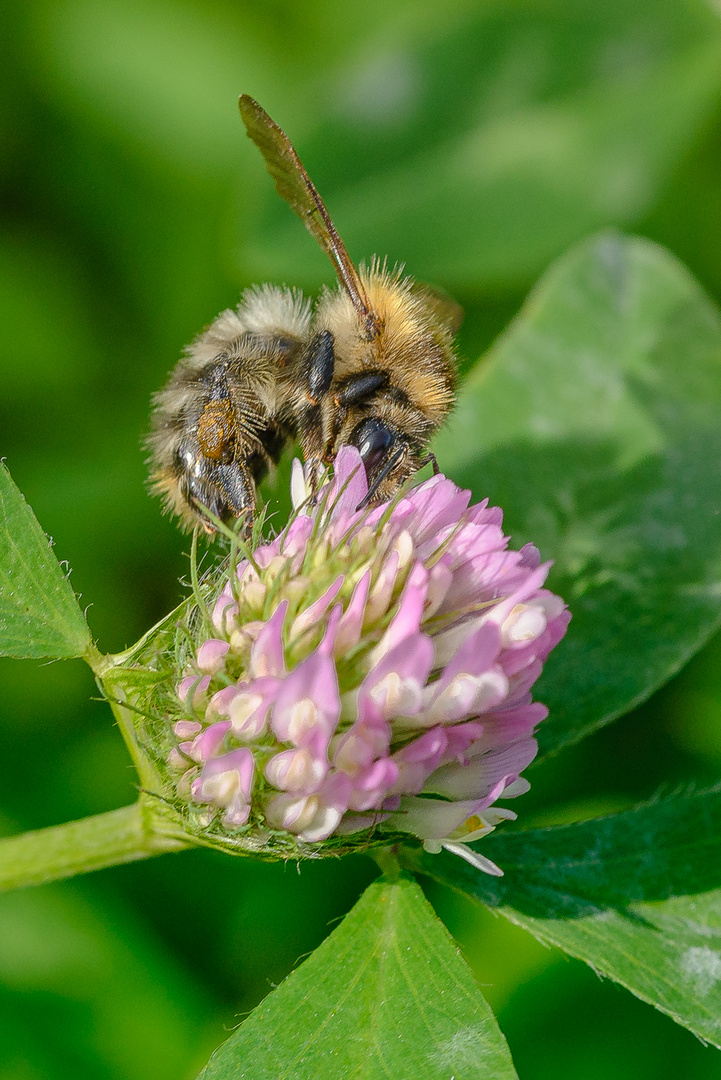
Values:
[(366, 674)]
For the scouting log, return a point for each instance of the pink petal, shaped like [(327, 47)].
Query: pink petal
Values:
[(440, 581), (312, 614), (482, 773), (507, 725), (351, 622), (187, 729), (349, 485), (417, 760), (476, 654), (249, 706), (267, 654), (407, 619), (297, 771), (437, 503), (211, 655), (227, 782), (294, 539), (372, 784), (333, 802), (327, 646), (224, 611), (194, 685), (394, 686), (308, 704), (361, 745), (206, 745), (381, 594)]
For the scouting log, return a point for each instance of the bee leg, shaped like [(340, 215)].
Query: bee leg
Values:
[(360, 387), (317, 366), (220, 490), (353, 392), (336, 424), (239, 490), (430, 459), (219, 482)]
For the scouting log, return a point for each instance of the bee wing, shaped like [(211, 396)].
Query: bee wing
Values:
[(295, 186)]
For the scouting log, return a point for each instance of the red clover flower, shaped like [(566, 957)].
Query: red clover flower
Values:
[(368, 673)]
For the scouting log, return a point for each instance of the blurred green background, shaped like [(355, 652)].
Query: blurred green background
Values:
[(472, 140)]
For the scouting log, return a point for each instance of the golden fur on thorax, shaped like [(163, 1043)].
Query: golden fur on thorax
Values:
[(413, 344)]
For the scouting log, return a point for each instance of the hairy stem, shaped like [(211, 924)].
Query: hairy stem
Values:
[(61, 851), (387, 859)]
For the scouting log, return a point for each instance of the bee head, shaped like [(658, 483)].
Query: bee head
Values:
[(387, 455)]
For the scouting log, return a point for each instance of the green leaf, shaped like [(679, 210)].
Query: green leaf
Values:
[(594, 423), (387, 994), (39, 614), (636, 895), (114, 1001), (559, 119)]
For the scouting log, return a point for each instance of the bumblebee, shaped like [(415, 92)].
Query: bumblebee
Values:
[(372, 366)]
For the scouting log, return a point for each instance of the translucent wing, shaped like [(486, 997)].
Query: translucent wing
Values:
[(296, 187)]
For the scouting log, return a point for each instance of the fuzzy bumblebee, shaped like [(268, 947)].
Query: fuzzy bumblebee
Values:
[(372, 366)]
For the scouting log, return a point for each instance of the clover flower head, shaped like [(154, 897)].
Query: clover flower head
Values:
[(367, 674)]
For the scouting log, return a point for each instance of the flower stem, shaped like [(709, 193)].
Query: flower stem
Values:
[(387, 859), (61, 851)]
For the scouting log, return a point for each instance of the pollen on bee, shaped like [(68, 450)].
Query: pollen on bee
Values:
[(215, 429)]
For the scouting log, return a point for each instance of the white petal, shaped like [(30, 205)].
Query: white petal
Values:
[(303, 719), (222, 788), (299, 486), (322, 825), (240, 710), (518, 787), (525, 623), (475, 859), (396, 696), (291, 813)]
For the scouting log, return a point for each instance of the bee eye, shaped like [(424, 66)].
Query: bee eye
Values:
[(373, 439)]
